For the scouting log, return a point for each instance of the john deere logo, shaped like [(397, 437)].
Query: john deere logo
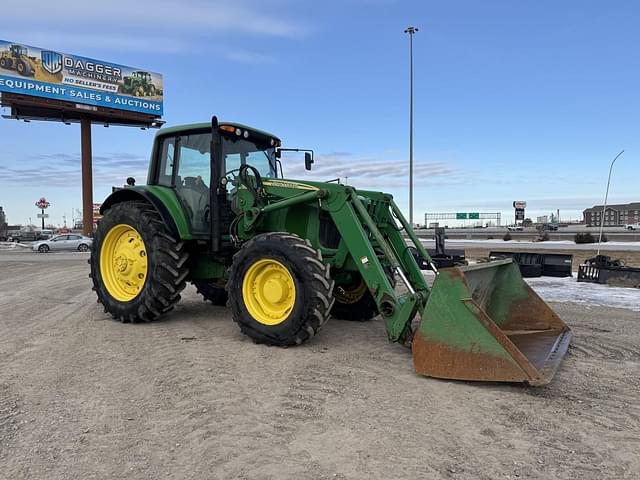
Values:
[(51, 61)]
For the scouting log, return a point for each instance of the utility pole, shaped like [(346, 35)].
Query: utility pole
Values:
[(411, 31), (606, 196)]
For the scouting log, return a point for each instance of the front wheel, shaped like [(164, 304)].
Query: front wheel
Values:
[(138, 268), (43, 248), (280, 292), (83, 247)]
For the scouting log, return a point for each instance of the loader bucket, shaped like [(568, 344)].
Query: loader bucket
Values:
[(483, 322)]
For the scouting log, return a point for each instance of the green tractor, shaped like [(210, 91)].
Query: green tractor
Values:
[(286, 255), (139, 84)]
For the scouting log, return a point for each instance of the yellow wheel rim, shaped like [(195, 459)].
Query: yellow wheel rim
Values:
[(123, 262), (269, 291)]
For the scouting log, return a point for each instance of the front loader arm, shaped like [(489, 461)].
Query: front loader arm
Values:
[(368, 231)]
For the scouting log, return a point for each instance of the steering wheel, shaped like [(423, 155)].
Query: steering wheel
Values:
[(233, 173)]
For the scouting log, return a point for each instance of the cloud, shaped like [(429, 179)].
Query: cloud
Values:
[(245, 56), (159, 16), (370, 172), (85, 41), (192, 27), (63, 170)]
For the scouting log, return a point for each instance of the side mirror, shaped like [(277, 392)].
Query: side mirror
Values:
[(131, 181), (308, 160)]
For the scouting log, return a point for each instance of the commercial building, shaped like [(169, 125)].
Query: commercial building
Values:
[(614, 215)]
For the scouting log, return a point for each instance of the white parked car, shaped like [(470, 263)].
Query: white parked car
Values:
[(633, 226), (71, 241), (515, 228)]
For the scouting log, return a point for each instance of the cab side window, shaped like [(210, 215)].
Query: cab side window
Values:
[(194, 159), (167, 155), (192, 179)]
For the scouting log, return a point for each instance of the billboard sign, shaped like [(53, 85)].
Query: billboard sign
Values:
[(519, 204), (42, 73)]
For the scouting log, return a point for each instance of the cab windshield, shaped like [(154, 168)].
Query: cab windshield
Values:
[(240, 151)]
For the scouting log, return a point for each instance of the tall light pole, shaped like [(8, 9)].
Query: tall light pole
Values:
[(606, 196), (411, 31)]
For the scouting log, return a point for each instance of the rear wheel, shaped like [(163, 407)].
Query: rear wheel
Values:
[(138, 268), (3, 63), (279, 289), (354, 300), (212, 292)]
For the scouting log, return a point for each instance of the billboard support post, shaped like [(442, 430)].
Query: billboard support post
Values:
[(87, 177)]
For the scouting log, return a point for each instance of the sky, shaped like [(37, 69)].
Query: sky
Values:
[(526, 100)]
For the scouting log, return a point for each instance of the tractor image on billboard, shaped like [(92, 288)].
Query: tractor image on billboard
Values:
[(139, 84), (17, 58)]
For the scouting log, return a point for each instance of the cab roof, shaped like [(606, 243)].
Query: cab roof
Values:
[(207, 125)]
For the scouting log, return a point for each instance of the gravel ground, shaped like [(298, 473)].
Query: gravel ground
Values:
[(188, 397)]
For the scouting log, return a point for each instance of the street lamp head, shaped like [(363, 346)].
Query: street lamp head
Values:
[(411, 30)]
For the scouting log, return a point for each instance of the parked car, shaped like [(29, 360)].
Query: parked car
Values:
[(23, 236), (634, 226), (44, 234), (515, 228), (63, 242)]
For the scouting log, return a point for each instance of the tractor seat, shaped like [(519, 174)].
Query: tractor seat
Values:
[(196, 200)]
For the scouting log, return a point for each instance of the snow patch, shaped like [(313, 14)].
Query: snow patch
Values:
[(569, 290)]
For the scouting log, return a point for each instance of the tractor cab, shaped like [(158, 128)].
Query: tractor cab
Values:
[(18, 51), (184, 161), (144, 76)]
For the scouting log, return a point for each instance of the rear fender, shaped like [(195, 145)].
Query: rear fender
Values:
[(162, 198)]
